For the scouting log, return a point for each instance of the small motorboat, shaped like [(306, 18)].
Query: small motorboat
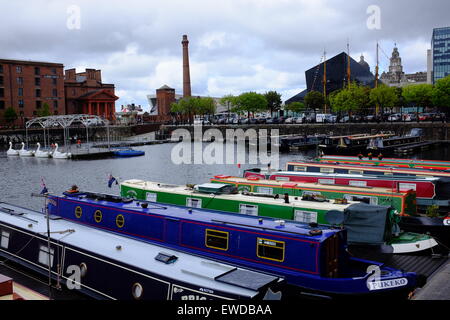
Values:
[(11, 152), (129, 152), (25, 153), (60, 155), (41, 154)]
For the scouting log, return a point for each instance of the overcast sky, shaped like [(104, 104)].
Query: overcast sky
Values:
[(235, 45)]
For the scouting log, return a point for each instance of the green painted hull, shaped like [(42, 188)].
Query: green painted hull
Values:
[(404, 203), (234, 206)]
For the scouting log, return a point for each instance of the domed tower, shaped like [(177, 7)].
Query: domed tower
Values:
[(363, 63)]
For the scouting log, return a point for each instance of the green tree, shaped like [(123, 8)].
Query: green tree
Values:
[(250, 102), (384, 96), (10, 115), (441, 94), (314, 100), (44, 111), (350, 99), (296, 107), (418, 94), (205, 106), (228, 100), (273, 101)]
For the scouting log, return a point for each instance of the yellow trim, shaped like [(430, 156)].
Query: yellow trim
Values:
[(227, 236), (268, 245), (98, 218), (120, 224), (78, 212)]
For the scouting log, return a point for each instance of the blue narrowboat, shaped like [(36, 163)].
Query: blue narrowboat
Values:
[(311, 258), (108, 266)]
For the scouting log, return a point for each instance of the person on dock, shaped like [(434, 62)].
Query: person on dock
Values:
[(380, 156), (369, 156), (78, 143), (360, 156)]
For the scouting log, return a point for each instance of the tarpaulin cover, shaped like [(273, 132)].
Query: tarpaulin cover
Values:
[(366, 223)]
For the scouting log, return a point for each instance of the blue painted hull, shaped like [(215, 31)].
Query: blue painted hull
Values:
[(128, 153), (303, 265)]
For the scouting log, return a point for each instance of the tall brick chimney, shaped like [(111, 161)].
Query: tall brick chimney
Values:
[(186, 72)]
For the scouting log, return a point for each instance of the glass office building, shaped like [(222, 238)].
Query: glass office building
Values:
[(440, 46)]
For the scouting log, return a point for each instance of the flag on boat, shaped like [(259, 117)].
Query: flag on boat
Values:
[(111, 181), (44, 187)]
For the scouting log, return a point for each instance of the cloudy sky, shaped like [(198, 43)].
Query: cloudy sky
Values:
[(235, 45)]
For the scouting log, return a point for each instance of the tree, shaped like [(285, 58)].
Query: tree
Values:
[(296, 107), (273, 101), (418, 94), (250, 102), (314, 100), (384, 96), (350, 99), (204, 106), (10, 115), (441, 94), (228, 100), (44, 111)]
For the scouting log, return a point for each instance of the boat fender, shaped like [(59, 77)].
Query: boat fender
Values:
[(315, 232), (144, 205)]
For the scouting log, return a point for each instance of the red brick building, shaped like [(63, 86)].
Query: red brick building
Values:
[(86, 94), (27, 86)]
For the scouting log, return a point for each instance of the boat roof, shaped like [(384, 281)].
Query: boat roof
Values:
[(293, 201), (311, 185), (356, 176), (363, 136), (187, 268), (399, 160), (373, 167)]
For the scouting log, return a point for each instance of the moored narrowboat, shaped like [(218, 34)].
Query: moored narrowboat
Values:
[(105, 265), (390, 162), (429, 190), (308, 257), (366, 224)]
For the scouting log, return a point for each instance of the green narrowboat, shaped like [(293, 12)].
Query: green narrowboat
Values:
[(403, 202)]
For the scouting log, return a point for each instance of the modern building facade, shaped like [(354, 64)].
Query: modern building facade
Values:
[(27, 86), (336, 76), (86, 94), (440, 47)]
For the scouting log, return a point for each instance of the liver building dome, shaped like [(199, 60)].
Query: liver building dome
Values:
[(395, 76)]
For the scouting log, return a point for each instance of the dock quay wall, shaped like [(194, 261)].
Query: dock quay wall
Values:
[(432, 131)]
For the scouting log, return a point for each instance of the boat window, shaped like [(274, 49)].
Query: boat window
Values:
[(326, 170), (365, 199), (407, 186), (194, 203), (270, 249), (305, 216), (137, 290), (388, 173), (120, 221), (248, 209), (4, 243), (357, 183), (151, 196), (326, 181), (264, 190), (78, 212), (298, 168), (216, 239), (355, 172), (43, 255), (83, 269), (98, 216)]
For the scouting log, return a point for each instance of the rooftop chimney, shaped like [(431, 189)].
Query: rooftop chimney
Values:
[(186, 72)]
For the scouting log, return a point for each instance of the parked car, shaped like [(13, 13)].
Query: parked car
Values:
[(344, 119), (369, 118), (424, 117), (395, 117)]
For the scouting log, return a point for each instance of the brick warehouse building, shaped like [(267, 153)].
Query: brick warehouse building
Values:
[(86, 94), (27, 85)]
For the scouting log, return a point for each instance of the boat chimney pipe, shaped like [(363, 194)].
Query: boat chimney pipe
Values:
[(286, 198)]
